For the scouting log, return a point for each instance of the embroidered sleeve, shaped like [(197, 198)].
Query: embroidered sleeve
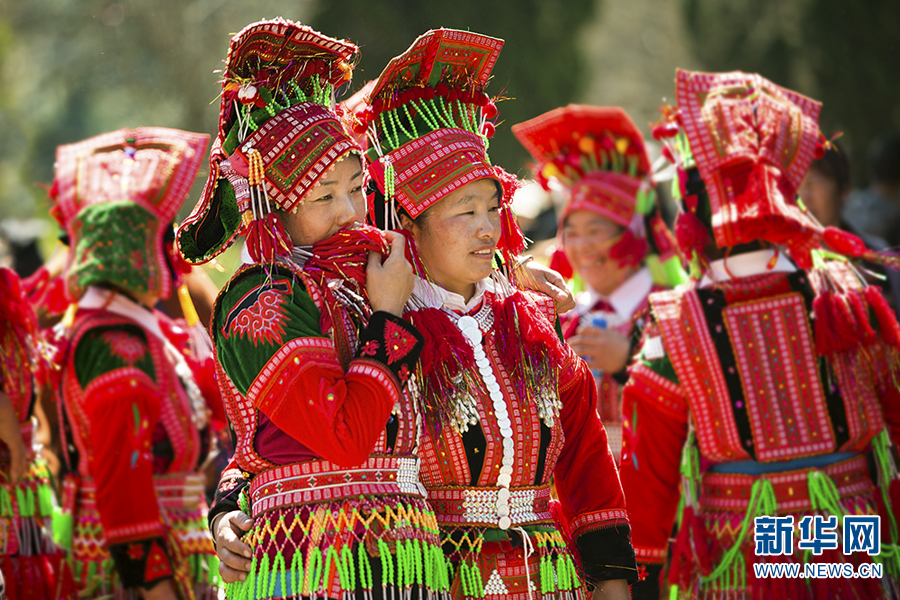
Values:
[(270, 345), (594, 514), (654, 431)]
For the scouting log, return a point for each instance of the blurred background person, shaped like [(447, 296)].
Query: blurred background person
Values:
[(875, 210), (611, 236), (30, 563), (825, 191), (134, 417)]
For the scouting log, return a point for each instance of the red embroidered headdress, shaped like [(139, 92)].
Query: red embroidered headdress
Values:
[(752, 142), (428, 122), (114, 195), (278, 134), (598, 155)]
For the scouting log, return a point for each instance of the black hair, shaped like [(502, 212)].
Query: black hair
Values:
[(884, 158), (834, 165)]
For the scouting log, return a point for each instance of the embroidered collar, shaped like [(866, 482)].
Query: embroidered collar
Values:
[(434, 296), (625, 299), (98, 298), (746, 265)]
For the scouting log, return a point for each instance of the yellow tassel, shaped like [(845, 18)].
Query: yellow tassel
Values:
[(69, 317), (187, 306)]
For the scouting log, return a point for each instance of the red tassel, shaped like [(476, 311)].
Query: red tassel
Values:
[(887, 321), (512, 241), (834, 332), (267, 238), (861, 316), (690, 233), (559, 262), (629, 250)]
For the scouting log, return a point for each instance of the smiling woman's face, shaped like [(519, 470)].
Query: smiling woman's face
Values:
[(457, 236), (338, 201), (587, 238)]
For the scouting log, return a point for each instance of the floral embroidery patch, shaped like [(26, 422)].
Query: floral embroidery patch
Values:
[(259, 315), (397, 342), (125, 346), (370, 348)]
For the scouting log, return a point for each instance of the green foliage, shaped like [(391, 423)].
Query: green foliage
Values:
[(540, 68)]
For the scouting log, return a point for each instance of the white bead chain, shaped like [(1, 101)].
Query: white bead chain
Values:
[(470, 329)]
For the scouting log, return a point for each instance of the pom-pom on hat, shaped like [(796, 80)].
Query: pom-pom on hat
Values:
[(596, 153), (278, 135), (115, 194), (429, 121), (752, 142)]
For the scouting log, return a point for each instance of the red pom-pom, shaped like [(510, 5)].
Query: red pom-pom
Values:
[(819, 152), (489, 111), (844, 242), (481, 99), (441, 89), (559, 262), (667, 154), (428, 93), (488, 129), (664, 131)]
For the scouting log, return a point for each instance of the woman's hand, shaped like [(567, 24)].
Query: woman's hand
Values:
[(390, 283), (545, 280), (614, 589), (234, 554), (603, 349)]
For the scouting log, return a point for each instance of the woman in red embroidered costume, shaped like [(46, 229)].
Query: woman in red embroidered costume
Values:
[(768, 388), (311, 350), (611, 236), (30, 562), (134, 408), (505, 404)]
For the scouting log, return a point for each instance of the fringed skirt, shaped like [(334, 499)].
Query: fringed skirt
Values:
[(720, 565), (188, 542), (325, 532), (31, 565)]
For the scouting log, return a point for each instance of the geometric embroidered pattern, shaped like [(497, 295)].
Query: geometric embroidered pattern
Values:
[(692, 351), (779, 372)]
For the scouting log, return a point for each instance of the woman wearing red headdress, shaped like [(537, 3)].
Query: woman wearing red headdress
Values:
[(611, 236), (506, 406), (31, 566), (134, 414), (321, 498)]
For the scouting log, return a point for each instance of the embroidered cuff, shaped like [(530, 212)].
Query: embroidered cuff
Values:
[(607, 554), (141, 563), (227, 494), (648, 584), (392, 341)]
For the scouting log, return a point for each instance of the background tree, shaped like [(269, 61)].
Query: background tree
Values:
[(844, 54)]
